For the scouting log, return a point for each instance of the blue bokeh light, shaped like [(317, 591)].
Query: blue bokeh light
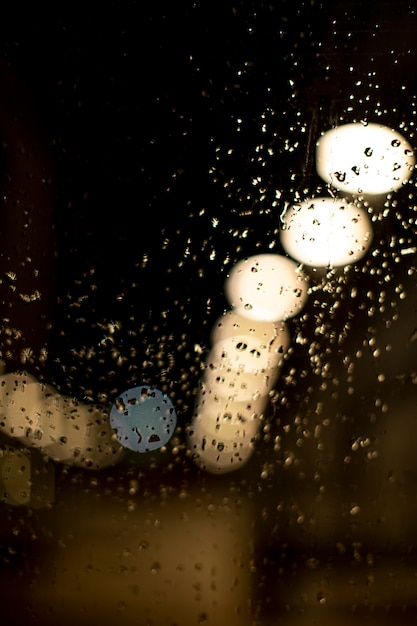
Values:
[(144, 419)]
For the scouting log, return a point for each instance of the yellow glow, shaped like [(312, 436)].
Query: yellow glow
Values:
[(244, 353), (221, 416), (272, 337), (236, 385), (221, 428), (77, 434), (20, 395), (216, 454)]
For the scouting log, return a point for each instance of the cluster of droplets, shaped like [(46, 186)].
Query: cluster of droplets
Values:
[(249, 342)]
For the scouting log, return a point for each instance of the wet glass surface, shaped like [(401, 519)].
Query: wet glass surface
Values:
[(145, 152)]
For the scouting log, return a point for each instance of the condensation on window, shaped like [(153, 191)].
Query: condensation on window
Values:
[(207, 332)]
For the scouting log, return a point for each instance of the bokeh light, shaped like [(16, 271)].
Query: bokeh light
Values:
[(326, 232), (76, 433), (144, 419), (21, 394), (266, 287), (364, 158)]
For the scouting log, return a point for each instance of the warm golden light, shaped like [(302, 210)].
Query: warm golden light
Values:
[(77, 434), (326, 232), (266, 287), (271, 337), (364, 158)]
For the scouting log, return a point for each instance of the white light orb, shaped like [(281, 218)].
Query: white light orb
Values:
[(272, 337), (75, 433), (364, 158), (326, 232), (266, 287)]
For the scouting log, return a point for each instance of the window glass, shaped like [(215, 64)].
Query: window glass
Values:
[(207, 314)]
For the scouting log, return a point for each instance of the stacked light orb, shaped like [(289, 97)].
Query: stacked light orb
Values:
[(321, 232)]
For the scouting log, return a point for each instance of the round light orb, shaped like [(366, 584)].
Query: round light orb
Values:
[(326, 232), (272, 337), (77, 434), (267, 287), (144, 418), (364, 158)]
